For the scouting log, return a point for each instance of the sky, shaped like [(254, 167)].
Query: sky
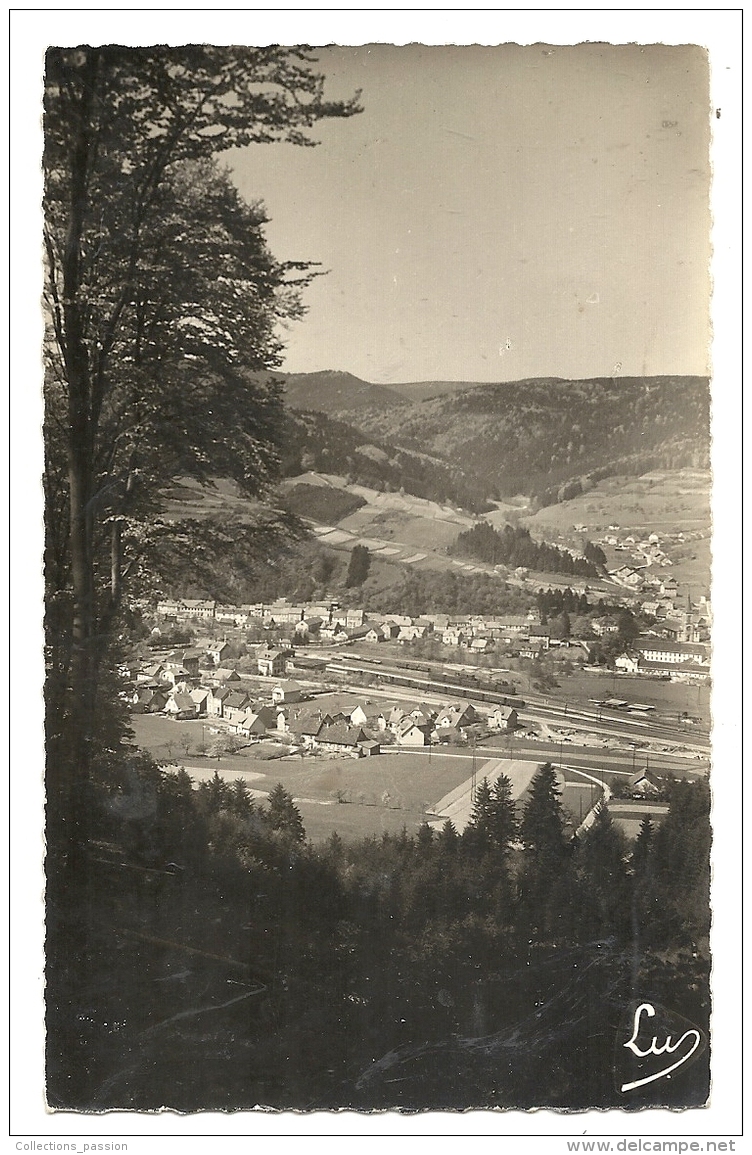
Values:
[(496, 213)]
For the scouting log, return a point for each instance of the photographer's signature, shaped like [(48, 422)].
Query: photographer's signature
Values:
[(688, 1043)]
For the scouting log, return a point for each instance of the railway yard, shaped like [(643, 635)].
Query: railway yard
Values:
[(599, 732)]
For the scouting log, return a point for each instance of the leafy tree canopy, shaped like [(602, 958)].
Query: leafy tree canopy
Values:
[(162, 298)]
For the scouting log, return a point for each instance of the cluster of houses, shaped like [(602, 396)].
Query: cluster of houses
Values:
[(477, 633), (677, 647), (677, 618), (300, 623), (647, 551), (660, 591), (177, 687)]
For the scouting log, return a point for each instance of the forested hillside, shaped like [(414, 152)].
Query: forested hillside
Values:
[(547, 438), (424, 970), (535, 436), (515, 547), (332, 391), (314, 441)]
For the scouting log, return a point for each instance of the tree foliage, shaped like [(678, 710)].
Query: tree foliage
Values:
[(494, 825), (162, 299), (602, 858), (513, 546), (284, 814), (360, 563), (542, 827), (553, 439), (391, 948)]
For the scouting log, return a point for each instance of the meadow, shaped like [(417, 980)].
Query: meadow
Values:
[(354, 796)]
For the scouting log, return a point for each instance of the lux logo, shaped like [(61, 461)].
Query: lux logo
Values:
[(667, 1047)]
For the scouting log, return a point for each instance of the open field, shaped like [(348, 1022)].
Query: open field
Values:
[(357, 797), (662, 501), (395, 527), (402, 502), (402, 529), (419, 532), (186, 498), (628, 816), (668, 698)]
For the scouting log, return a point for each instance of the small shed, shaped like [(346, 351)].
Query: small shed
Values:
[(369, 747)]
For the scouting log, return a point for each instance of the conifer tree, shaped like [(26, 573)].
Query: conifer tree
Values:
[(505, 826), (602, 859), (542, 826), (284, 814), (542, 880), (642, 847), (477, 835), (424, 838), (448, 838)]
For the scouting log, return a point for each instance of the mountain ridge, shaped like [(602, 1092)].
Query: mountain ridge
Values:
[(339, 391), (548, 438)]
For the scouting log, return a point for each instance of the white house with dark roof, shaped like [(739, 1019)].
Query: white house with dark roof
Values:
[(411, 733), (670, 652), (200, 697), (459, 715), (629, 576), (249, 725), (180, 706), (216, 699), (287, 692), (147, 699), (196, 608), (503, 718), (272, 663), (235, 705), (218, 652), (342, 737)]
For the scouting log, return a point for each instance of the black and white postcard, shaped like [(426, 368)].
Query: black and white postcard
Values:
[(384, 615)]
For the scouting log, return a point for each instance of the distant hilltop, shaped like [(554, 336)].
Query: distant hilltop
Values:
[(336, 391), (333, 391)]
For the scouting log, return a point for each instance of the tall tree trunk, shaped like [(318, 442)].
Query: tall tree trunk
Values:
[(69, 779), (116, 564)]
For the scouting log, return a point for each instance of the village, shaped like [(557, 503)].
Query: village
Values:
[(266, 699), (318, 681)]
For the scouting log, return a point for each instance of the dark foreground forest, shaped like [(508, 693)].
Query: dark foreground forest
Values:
[(208, 957)]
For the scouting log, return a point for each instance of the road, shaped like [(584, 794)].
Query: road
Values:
[(457, 805)]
